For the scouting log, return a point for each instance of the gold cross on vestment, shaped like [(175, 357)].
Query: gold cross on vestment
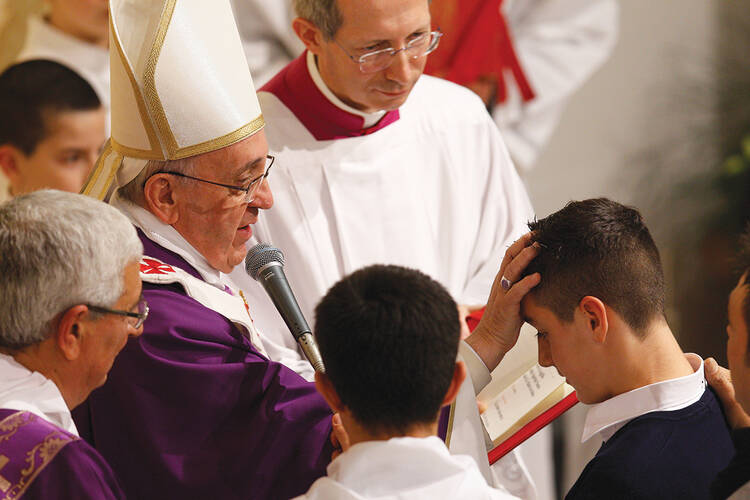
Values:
[(4, 483)]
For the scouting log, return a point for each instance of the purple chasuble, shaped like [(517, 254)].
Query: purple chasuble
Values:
[(40, 460), (294, 86), (192, 410)]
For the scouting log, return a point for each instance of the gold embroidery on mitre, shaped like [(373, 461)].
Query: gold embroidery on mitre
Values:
[(99, 167), (152, 96), (137, 153), (223, 141), (40, 455), (155, 153)]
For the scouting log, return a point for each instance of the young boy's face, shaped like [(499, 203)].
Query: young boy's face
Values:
[(568, 347), (66, 155)]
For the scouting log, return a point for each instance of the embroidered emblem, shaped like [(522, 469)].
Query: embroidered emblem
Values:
[(247, 306), (151, 266), (22, 468)]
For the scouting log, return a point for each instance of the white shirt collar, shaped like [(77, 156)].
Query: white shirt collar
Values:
[(608, 417), (166, 236), (370, 118), (24, 390)]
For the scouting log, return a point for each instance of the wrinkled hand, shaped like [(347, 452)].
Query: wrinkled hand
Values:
[(720, 379), (498, 330), (339, 437)]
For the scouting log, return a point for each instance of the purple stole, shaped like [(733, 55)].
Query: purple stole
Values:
[(28, 444)]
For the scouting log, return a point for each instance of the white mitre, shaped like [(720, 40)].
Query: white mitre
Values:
[(180, 86)]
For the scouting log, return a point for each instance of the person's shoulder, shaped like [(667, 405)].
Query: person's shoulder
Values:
[(438, 96), (77, 471)]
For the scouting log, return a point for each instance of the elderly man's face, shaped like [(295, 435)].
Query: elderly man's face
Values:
[(737, 343), (369, 26), (108, 334), (214, 219)]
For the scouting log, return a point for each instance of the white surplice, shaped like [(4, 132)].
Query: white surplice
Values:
[(402, 469), (24, 390), (90, 61), (434, 190)]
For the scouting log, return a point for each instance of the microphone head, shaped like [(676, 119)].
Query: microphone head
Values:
[(261, 255)]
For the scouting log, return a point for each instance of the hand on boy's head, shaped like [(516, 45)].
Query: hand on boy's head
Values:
[(720, 379), (500, 325), (339, 437)]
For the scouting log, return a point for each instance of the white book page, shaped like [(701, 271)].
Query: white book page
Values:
[(515, 363), (519, 398)]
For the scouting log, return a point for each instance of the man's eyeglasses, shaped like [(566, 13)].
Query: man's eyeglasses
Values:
[(381, 59), (248, 191), (138, 317)]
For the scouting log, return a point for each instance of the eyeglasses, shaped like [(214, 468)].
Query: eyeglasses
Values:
[(139, 316), (381, 59), (249, 191)]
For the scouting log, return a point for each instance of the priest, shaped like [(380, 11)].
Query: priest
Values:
[(195, 408), (71, 297)]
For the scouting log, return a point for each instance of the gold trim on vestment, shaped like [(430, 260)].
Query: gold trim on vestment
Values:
[(88, 186), (136, 153), (449, 431), (223, 141), (152, 96), (155, 153), (38, 457)]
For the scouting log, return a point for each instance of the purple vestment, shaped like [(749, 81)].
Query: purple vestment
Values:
[(192, 410), (40, 460)]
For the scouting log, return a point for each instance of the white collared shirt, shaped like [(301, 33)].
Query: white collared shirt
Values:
[(370, 118), (24, 390), (609, 416)]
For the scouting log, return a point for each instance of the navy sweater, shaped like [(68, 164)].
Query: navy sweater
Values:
[(660, 455)]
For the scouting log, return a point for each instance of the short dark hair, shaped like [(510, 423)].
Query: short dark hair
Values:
[(32, 89), (389, 338), (601, 248)]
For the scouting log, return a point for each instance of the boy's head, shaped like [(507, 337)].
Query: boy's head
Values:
[(599, 266), (389, 338), (52, 126), (738, 355)]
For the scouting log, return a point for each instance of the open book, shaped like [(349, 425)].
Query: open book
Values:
[(523, 397)]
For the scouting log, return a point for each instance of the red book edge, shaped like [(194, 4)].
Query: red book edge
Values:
[(532, 427)]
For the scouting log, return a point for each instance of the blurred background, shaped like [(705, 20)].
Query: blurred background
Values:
[(663, 125)]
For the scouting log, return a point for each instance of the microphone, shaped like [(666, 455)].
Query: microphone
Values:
[(265, 263)]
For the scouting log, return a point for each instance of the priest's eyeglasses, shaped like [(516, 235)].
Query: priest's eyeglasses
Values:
[(138, 317), (249, 192), (415, 48)]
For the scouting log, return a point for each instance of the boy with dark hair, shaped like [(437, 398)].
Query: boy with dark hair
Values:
[(389, 339), (599, 310), (52, 127)]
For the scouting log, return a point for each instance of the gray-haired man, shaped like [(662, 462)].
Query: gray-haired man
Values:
[(71, 297)]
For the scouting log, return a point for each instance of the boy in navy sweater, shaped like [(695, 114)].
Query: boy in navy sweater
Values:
[(599, 312)]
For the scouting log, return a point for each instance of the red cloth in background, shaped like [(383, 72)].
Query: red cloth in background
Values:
[(477, 44)]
